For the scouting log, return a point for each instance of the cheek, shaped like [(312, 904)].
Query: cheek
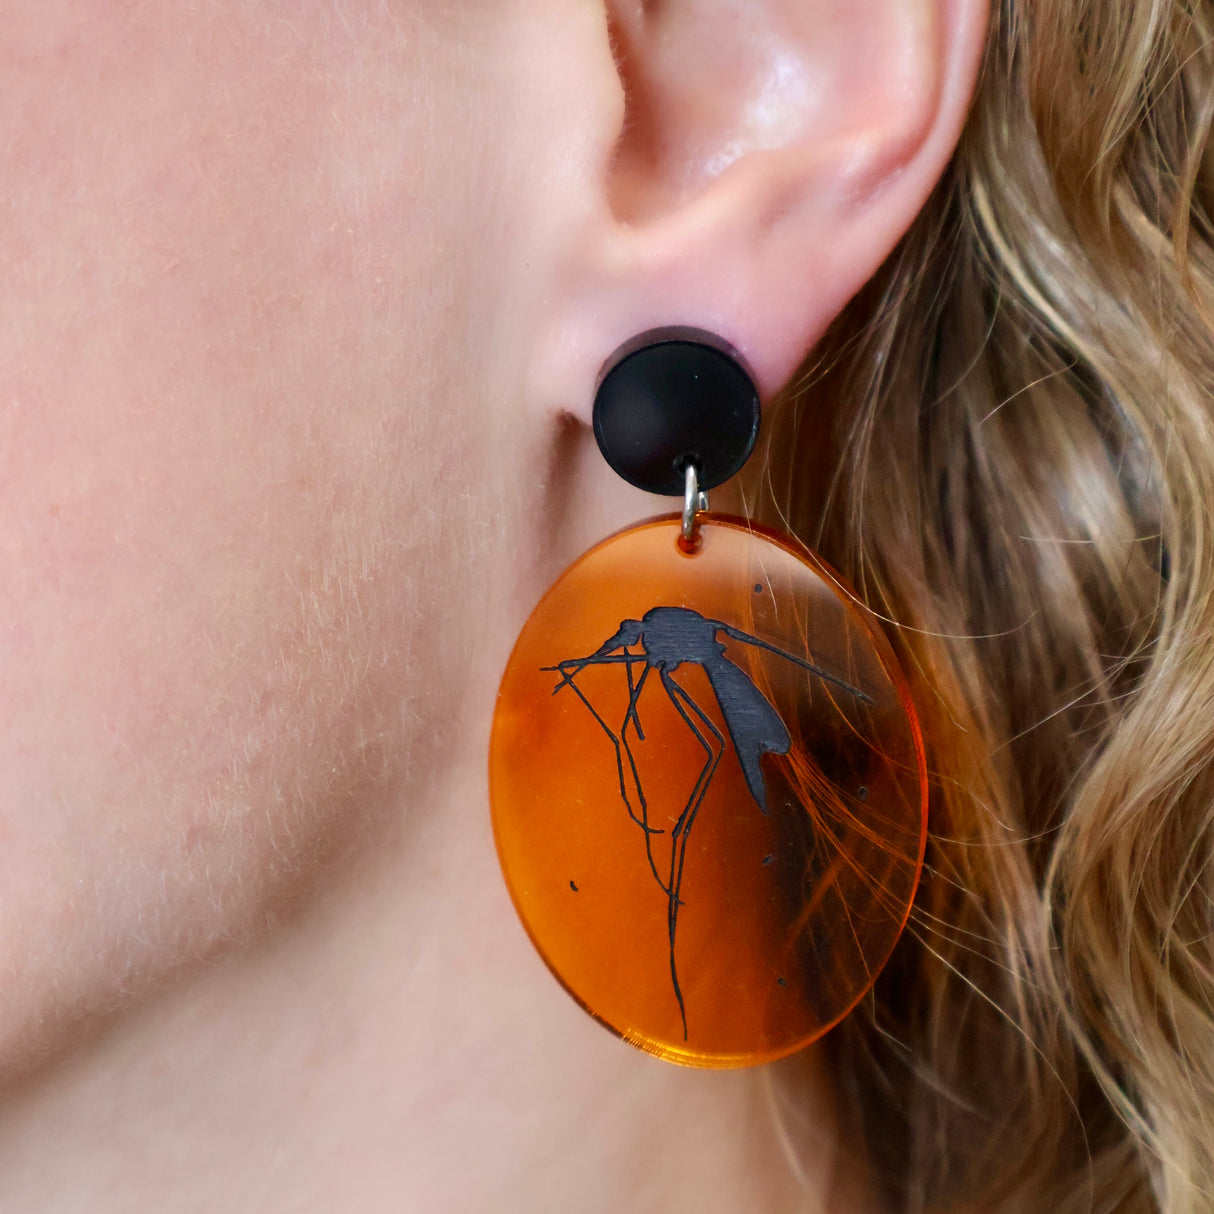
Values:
[(269, 285), (222, 439), (205, 663), (165, 608)]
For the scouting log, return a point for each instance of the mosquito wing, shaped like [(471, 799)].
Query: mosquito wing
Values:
[(755, 728), (738, 635)]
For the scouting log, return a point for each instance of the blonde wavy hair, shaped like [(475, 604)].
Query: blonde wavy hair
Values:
[(1007, 444)]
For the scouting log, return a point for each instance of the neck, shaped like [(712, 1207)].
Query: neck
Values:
[(399, 1046)]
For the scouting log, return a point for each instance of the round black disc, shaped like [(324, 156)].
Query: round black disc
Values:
[(674, 398)]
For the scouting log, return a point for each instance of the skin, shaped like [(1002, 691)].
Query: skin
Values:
[(291, 438)]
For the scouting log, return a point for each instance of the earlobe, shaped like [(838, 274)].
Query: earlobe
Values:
[(771, 156)]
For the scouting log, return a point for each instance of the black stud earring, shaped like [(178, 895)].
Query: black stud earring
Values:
[(673, 398), (706, 775)]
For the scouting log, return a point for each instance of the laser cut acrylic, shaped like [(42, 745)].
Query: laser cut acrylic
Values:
[(708, 791)]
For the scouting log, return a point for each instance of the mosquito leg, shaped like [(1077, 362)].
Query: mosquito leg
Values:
[(619, 757), (571, 667), (567, 671), (631, 715), (634, 696), (632, 699), (682, 827), (682, 700)]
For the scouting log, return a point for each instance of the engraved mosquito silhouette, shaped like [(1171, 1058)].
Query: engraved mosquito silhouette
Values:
[(669, 637)]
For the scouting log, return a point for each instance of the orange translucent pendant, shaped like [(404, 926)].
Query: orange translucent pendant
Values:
[(708, 791)]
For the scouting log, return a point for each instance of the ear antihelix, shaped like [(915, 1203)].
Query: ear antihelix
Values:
[(707, 782)]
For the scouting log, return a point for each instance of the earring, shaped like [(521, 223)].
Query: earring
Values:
[(708, 787)]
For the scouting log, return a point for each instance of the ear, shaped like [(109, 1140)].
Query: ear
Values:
[(771, 154)]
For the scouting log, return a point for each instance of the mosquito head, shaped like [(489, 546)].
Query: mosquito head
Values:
[(629, 634)]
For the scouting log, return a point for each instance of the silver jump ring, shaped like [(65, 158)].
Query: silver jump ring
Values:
[(693, 501)]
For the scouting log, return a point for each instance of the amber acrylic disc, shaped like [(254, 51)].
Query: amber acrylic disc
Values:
[(708, 791)]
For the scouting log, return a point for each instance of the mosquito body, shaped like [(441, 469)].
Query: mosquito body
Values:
[(661, 641)]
